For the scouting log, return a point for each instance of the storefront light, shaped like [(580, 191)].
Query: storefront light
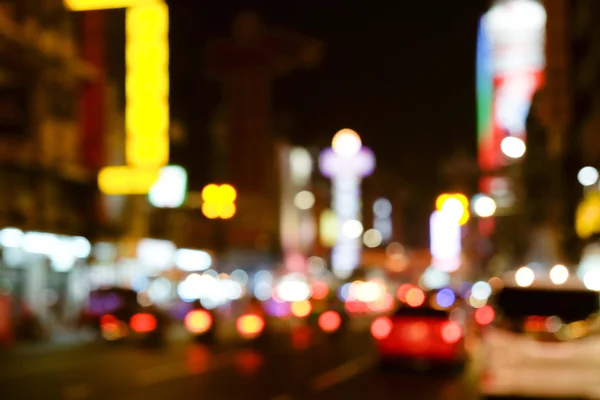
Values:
[(11, 237)]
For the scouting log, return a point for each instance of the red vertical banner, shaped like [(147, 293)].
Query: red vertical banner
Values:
[(93, 52), (6, 328)]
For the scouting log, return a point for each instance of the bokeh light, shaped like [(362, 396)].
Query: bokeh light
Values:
[(372, 238), (513, 147), (588, 176), (304, 200), (524, 276), (415, 297), (330, 321), (485, 315), (301, 309), (346, 143), (445, 298), (559, 274), (381, 328)]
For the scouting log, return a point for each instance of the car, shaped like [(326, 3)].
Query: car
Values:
[(421, 336), (118, 317), (543, 341)]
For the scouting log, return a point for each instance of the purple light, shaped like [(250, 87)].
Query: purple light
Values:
[(275, 309), (331, 164)]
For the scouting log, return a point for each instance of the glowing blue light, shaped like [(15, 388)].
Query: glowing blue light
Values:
[(344, 291), (445, 298)]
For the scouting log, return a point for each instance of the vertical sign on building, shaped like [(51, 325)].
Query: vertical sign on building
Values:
[(510, 69), (147, 85), (93, 95), (346, 162)]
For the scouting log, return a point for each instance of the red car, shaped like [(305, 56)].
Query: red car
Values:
[(420, 336)]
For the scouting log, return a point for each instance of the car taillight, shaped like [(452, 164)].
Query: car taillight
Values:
[(330, 321), (198, 321), (381, 328), (112, 328), (250, 325), (108, 322), (143, 323), (451, 332)]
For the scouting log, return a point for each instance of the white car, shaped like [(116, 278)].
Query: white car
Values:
[(544, 341)]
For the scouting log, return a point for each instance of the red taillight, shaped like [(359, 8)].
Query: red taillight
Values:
[(250, 325), (381, 328), (330, 321), (485, 315), (451, 332), (108, 321), (143, 323), (198, 321)]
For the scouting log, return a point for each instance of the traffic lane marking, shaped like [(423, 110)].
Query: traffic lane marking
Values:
[(343, 372), (180, 369), (76, 392), (283, 397)]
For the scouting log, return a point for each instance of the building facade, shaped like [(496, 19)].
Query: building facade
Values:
[(48, 184)]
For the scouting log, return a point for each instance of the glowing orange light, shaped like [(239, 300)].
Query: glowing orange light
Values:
[(402, 291), (143, 323), (415, 297), (330, 321), (319, 289), (250, 325), (198, 321), (301, 309), (381, 328), (451, 332)]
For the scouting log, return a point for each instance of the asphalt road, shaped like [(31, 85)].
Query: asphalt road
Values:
[(301, 364)]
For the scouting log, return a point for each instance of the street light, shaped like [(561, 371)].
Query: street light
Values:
[(588, 176), (513, 147), (483, 206)]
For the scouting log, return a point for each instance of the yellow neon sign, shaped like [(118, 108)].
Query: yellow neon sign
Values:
[(218, 201), (147, 85), (464, 201), (123, 180), (147, 93), (92, 5)]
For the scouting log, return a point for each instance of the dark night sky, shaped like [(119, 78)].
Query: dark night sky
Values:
[(401, 74)]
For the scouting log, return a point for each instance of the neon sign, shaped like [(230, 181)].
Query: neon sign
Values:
[(346, 162)]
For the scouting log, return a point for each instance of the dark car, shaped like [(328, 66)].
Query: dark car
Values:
[(117, 315)]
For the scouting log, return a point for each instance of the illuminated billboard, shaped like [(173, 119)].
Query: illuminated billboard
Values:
[(510, 69), (147, 85)]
